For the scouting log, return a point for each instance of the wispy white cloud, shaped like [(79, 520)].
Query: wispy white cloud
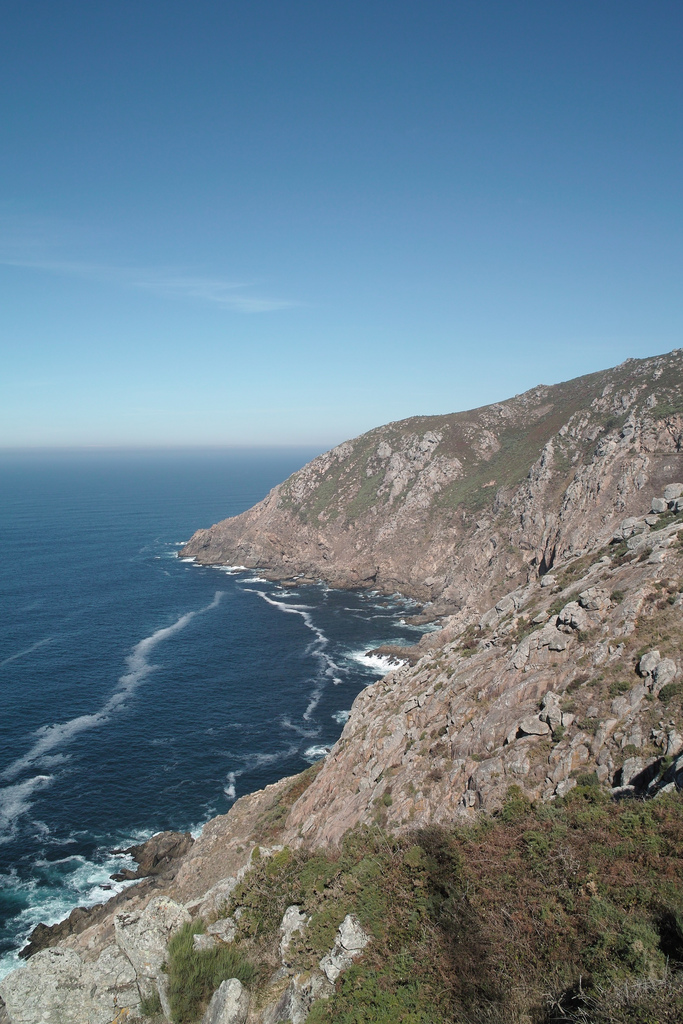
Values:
[(173, 283)]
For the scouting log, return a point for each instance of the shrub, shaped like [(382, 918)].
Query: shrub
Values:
[(670, 690)]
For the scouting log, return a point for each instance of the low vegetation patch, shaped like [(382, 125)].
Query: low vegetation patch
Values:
[(568, 911), (193, 975)]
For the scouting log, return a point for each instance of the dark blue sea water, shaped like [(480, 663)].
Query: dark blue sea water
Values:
[(139, 692)]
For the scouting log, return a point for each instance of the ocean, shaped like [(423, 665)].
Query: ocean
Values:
[(141, 692)]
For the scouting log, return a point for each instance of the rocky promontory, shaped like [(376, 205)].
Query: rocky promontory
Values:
[(496, 834)]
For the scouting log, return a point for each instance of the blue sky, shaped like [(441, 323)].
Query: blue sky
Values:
[(287, 222)]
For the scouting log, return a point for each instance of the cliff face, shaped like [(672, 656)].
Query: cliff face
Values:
[(456, 510), (548, 533)]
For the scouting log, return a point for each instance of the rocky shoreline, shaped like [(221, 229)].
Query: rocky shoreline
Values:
[(557, 670)]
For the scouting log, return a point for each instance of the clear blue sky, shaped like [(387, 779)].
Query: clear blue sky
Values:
[(251, 221)]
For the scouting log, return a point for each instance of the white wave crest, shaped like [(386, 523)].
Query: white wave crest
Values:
[(377, 663), (341, 717)]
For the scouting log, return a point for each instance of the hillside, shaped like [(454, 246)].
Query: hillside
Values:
[(496, 835), (456, 510)]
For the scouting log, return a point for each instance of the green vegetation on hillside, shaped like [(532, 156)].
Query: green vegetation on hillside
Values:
[(571, 911)]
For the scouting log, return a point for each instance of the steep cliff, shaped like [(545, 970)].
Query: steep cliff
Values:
[(456, 510)]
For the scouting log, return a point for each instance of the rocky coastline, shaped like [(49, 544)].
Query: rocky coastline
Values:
[(546, 536)]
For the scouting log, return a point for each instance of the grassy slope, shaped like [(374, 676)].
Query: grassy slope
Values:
[(569, 911)]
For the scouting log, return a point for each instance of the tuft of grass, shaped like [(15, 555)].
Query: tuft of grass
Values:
[(194, 975), (150, 1006), (669, 691)]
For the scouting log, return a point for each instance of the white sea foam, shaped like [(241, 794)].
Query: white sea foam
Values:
[(16, 800), (314, 754), (190, 559), (341, 717), (229, 787), (28, 650), (378, 663), (86, 884), (49, 737), (306, 734)]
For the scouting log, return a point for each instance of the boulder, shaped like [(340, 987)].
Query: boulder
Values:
[(674, 743), (648, 663), (573, 616), (659, 505), (551, 713), (350, 943), (533, 726), (664, 672), (229, 1004), (201, 943), (672, 491), (294, 1004), (595, 599)]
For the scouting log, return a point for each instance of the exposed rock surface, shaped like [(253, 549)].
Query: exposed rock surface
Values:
[(457, 510), (229, 1004), (350, 943)]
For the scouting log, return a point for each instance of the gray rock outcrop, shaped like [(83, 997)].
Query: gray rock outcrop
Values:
[(350, 942), (229, 1004)]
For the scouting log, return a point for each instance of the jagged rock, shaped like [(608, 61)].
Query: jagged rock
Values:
[(224, 929), (294, 1004), (294, 920), (350, 943), (648, 663), (203, 942), (57, 987), (659, 505), (548, 581), (229, 1004), (160, 855), (143, 936), (673, 491), (565, 786)]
